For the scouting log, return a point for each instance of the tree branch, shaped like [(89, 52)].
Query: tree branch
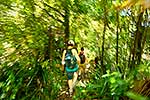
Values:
[(50, 14), (54, 9), (110, 27)]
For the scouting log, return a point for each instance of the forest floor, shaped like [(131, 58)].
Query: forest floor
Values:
[(64, 94)]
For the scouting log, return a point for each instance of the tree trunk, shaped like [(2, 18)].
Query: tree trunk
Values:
[(117, 42), (66, 20), (137, 42), (117, 34), (50, 44), (130, 53), (103, 43), (145, 29)]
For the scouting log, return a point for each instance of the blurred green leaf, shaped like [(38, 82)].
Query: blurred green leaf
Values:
[(135, 96)]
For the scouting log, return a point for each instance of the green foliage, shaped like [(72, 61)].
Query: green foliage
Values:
[(135, 96), (29, 53), (110, 86), (35, 82), (113, 85), (118, 86)]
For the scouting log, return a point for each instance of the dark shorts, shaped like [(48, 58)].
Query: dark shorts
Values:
[(70, 72)]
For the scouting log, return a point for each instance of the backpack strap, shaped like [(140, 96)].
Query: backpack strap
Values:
[(69, 50)]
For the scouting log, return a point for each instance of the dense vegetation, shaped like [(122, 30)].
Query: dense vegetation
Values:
[(33, 34)]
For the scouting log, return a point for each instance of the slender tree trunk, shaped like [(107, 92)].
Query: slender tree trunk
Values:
[(103, 43), (117, 41), (117, 33), (130, 49), (139, 47), (66, 20), (50, 44), (47, 47)]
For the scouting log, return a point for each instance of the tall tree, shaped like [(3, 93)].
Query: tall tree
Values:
[(66, 19), (136, 55), (104, 32)]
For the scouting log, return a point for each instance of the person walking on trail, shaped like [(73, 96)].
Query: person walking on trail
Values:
[(83, 61), (82, 56), (70, 61)]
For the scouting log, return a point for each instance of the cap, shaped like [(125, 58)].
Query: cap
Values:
[(71, 42)]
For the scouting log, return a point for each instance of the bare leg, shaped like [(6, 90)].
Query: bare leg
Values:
[(70, 84), (74, 78), (70, 87)]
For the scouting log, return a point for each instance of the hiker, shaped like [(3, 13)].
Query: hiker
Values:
[(70, 61), (82, 65), (82, 56), (96, 61)]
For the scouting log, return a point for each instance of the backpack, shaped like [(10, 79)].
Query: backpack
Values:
[(82, 58), (70, 59)]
